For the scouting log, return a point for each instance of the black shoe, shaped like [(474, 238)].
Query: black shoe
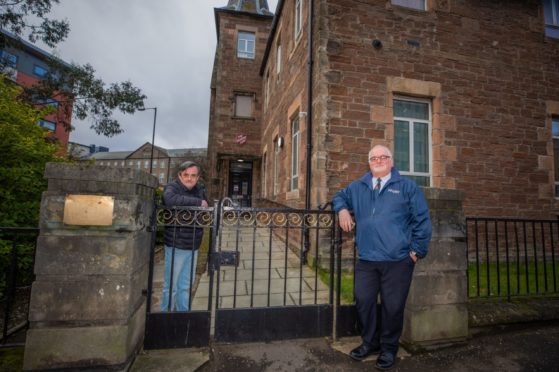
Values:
[(362, 351), (385, 361)]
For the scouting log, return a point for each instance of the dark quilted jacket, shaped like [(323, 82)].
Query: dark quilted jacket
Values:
[(176, 194)]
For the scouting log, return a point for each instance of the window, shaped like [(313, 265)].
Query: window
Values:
[(139, 163), (412, 139), (267, 93), (146, 164), (298, 17), (8, 64), (47, 124), (245, 45), (414, 4), (276, 165), (278, 58), (243, 105), (294, 184), (154, 164), (39, 71), (9, 59), (123, 163), (555, 134), (551, 17), (162, 164), (161, 177), (264, 175)]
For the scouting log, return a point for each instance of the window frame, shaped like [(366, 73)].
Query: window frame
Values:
[(238, 95), (264, 174), (295, 142), (555, 120), (298, 19), (37, 71), (411, 153), (551, 29), (276, 166), (402, 3), (246, 53), (47, 124), (278, 58), (8, 59)]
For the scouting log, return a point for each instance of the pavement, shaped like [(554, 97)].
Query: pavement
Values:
[(526, 347), (523, 347)]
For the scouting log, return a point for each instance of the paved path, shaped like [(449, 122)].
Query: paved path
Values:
[(269, 274)]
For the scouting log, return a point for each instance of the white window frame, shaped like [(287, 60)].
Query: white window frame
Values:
[(410, 4), (411, 122), (264, 175), (298, 19), (267, 98), (246, 47), (295, 138), (276, 165), (278, 58)]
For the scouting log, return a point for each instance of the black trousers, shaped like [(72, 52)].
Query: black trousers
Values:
[(392, 281)]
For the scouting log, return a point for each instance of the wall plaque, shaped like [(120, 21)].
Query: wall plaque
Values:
[(91, 210)]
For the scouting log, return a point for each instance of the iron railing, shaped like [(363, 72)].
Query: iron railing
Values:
[(17, 258), (512, 257)]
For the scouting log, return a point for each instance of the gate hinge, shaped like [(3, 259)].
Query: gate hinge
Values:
[(224, 258)]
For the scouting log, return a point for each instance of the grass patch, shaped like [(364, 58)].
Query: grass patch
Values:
[(11, 359), (346, 294), (522, 279)]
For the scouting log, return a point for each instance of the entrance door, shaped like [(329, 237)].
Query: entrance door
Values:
[(240, 182)]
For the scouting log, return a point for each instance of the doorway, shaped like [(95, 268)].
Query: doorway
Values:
[(240, 182)]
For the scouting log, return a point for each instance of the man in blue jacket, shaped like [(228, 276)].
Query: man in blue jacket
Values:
[(393, 230), (182, 243)]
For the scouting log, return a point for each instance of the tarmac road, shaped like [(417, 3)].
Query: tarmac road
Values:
[(530, 347)]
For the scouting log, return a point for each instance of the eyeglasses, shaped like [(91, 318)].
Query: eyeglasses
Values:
[(381, 158), (186, 175)]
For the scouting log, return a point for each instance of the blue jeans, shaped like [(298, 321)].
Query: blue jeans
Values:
[(184, 264)]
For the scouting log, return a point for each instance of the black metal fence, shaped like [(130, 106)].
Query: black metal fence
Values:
[(17, 256), (512, 257)]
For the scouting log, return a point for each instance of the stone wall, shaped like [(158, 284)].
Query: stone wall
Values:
[(87, 309), (436, 311), (491, 77)]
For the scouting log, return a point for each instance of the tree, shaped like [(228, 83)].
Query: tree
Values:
[(25, 150), (89, 94)]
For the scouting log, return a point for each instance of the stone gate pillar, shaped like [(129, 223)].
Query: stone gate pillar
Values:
[(87, 309), (436, 311)]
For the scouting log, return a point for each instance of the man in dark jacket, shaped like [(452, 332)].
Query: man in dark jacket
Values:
[(393, 232), (182, 243)]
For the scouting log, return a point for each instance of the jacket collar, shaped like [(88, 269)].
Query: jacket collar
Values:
[(368, 178)]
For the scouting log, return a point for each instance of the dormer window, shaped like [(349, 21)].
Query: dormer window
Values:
[(551, 18)]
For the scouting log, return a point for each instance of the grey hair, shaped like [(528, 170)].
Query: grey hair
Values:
[(386, 149), (188, 164)]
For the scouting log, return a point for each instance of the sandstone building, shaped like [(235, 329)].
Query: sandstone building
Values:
[(465, 93)]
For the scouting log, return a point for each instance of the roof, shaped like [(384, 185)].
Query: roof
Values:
[(31, 48), (249, 6), (172, 153)]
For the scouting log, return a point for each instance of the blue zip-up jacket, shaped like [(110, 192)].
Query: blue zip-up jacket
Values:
[(391, 225)]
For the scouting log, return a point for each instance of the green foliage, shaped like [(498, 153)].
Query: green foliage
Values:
[(25, 149), (78, 84)]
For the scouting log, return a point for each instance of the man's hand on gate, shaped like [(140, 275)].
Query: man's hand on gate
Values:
[(346, 222), (204, 204)]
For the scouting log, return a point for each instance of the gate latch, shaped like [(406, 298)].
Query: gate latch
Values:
[(225, 258)]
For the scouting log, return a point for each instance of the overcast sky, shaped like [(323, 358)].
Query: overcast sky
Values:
[(164, 47)]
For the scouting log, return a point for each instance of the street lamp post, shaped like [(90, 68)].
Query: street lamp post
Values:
[(152, 135)]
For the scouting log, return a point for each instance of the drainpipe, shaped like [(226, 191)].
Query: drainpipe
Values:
[(309, 122)]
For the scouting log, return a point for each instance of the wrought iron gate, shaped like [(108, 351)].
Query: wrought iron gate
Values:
[(268, 274)]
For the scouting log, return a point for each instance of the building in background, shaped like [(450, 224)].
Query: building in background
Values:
[(465, 93), (165, 161), (25, 64)]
